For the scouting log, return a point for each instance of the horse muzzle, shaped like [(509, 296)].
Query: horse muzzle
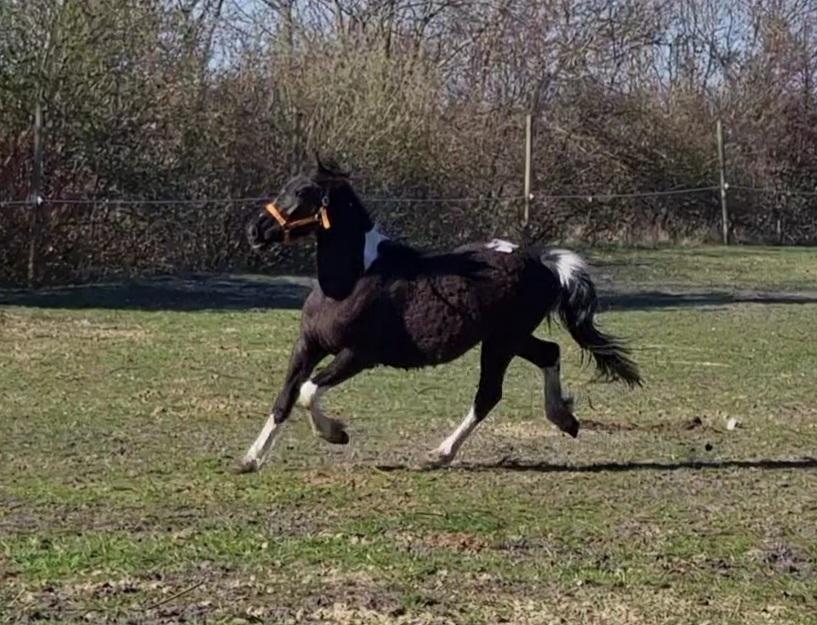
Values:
[(263, 232)]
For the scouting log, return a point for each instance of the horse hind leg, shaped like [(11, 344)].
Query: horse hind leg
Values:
[(327, 428), (344, 366), (494, 361), (558, 407)]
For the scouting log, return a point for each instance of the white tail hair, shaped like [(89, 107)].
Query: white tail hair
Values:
[(569, 265)]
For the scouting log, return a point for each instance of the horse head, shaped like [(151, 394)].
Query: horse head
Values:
[(302, 207)]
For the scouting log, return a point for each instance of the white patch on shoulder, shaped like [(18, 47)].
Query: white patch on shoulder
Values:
[(373, 240), (500, 245), (568, 265)]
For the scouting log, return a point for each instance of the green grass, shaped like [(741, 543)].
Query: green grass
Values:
[(774, 268), (119, 429)]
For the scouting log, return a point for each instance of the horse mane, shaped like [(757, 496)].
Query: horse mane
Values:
[(399, 260)]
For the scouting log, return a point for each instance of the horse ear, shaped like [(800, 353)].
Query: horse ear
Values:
[(329, 170), (318, 164)]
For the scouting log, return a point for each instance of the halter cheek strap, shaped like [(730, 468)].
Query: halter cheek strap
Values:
[(288, 225)]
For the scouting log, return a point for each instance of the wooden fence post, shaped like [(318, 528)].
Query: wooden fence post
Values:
[(35, 197), (723, 184), (528, 148)]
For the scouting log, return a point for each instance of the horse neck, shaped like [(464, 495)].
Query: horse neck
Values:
[(342, 248)]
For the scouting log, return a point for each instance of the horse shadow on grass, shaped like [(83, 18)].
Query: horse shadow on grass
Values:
[(513, 465), (653, 299), (189, 292), (192, 292)]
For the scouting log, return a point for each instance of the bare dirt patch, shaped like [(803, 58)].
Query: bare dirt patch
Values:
[(455, 541), (785, 558), (540, 428), (20, 327)]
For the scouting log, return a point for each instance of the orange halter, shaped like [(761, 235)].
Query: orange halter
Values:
[(287, 225)]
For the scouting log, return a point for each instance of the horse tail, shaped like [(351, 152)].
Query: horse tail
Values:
[(577, 309)]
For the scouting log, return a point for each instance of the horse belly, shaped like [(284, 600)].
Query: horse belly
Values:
[(442, 320)]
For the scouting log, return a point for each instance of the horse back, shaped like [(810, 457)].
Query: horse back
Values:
[(419, 310)]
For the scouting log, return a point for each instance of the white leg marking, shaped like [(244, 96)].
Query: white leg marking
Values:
[(450, 446), (307, 394), (310, 398), (257, 453)]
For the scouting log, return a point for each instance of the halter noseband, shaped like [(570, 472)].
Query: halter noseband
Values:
[(287, 225)]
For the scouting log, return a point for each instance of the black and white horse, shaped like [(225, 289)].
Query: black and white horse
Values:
[(382, 303)]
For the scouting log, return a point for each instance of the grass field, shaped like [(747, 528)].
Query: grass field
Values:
[(119, 427)]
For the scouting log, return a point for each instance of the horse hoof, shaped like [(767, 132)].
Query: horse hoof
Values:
[(573, 428), (562, 417), (330, 430), (246, 466), (436, 460), (568, 424), (337, 436)]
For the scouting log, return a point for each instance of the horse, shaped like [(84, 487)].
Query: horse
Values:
[(382, 303)]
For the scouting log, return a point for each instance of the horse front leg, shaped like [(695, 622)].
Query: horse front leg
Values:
[(304, 359), (345, 365)]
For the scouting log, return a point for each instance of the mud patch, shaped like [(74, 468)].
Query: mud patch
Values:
[(783, 558), (526, 430), (27, 329), (458, 541), (212, 593), (343, 614), (538, 429), (329, 478), (455, 541), (613, 427)]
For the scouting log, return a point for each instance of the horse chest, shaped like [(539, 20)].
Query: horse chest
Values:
[(335, 327), (342, 324)]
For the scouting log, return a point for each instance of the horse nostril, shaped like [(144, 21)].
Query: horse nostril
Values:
[(252, 231)]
